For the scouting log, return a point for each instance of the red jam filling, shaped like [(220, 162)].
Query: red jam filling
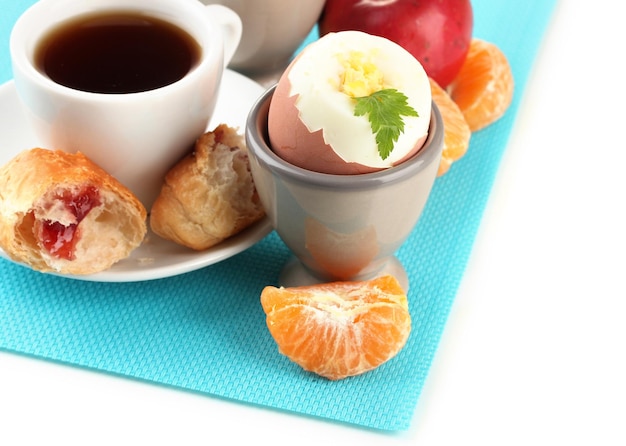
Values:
[(60, 240)]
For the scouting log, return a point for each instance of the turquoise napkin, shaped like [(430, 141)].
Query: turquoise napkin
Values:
[(205, 331)]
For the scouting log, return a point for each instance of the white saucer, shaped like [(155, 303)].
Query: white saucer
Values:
[(155, 258)]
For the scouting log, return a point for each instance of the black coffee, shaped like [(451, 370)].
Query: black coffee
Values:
[(121, 52)]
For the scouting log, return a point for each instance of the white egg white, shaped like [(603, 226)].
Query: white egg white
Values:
[(316, 77)]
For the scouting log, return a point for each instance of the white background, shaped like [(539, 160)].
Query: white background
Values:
[(534, 350)]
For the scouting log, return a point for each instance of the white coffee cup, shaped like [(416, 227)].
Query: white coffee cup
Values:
[(136, 137)]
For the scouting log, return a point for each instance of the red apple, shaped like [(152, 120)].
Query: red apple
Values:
[(435, 32)]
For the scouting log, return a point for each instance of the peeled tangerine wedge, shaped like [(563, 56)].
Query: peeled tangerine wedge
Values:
[(457, 133), (479, 95), (483, 88), (339, 329)]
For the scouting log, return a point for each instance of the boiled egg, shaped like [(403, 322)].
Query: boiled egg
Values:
[(312, 121)]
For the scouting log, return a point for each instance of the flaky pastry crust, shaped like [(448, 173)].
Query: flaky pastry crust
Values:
[(209, 195), (40, 190)]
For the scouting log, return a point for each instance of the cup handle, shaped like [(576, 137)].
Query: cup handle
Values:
[(231, 27)]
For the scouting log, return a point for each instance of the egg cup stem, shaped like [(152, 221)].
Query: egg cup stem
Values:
[(294, 273)]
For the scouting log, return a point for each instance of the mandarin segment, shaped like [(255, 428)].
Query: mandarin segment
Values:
[(339, 329), (483, 88), (457, 132)]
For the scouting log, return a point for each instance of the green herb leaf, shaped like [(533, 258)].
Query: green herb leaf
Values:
[(384, 110)]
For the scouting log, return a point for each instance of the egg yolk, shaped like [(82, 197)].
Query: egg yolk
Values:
[(361, 77)]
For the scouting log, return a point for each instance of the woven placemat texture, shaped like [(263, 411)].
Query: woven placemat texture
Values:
[(205, 331)]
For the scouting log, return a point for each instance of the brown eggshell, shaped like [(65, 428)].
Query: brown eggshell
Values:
[(291, 140)]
